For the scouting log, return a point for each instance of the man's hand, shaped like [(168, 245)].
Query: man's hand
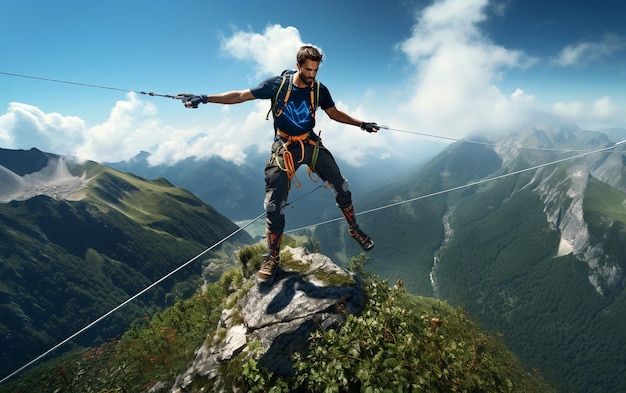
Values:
[(369, 127), (192, 101)]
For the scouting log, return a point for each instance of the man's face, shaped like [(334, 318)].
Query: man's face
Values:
[(308, 71)]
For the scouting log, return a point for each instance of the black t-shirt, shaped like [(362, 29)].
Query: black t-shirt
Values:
[(296, 117)]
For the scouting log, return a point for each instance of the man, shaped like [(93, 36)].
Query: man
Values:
[(295, 97)]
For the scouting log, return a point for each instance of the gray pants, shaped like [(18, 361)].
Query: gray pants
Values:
[(277, 182)]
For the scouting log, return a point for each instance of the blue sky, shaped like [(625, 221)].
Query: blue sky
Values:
[(448, 67)]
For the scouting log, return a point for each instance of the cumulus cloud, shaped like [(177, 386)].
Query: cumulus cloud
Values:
[(274, 49), (570, 110), (586, 51), (520, 96), (25, 126), (131, 127), (601, 113), (604, 108), (454, 90), (226, 139)]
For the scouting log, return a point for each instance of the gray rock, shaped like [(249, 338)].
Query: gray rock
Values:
[(308, 293), (564, 211)]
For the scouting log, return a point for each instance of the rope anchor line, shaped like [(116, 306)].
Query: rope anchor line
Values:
[(185, 96), (181, 96)]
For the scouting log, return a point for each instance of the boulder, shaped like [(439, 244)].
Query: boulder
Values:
[(309, 292)]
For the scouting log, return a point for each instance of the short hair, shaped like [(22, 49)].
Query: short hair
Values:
[(309, 52)]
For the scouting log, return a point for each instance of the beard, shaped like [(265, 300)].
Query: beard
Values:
[(307, 80)]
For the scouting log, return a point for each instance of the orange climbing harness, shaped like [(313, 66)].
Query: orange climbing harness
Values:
[(277, 109), (290, 166)]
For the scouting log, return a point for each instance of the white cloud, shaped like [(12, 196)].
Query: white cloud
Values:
[(569, 110), (349, 143), (274, 49), (454, 90), (25, 126), (227, 138), (601, 113), (131, 127), (587, 51), (520, 96), (604, 108)]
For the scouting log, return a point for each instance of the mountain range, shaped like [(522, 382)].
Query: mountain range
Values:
[(537, 255), (77, 239), (524, 229), (237, 191)]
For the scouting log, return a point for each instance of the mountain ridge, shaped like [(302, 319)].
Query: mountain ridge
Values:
[(537, 256), (213, 178), (485, 245), (78, 238)]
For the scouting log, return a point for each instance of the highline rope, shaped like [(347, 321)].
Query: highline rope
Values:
[(472, 184)]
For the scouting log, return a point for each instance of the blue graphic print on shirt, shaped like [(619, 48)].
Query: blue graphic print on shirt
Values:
[(296, 118), (300, 117)]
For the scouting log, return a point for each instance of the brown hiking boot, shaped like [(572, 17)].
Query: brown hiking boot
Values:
[(267, 272), (364, 241)]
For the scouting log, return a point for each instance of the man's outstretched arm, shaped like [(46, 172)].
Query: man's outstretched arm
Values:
[(229, 97), (343, 117)]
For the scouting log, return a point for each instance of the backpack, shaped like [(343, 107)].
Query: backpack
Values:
[(288, 76)]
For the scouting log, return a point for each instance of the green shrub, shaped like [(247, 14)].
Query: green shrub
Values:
[(403, 343), (400, 343)]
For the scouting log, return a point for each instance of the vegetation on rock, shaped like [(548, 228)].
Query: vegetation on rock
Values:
[(400, 343)]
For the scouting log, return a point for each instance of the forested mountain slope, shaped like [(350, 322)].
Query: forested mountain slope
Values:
[(537, 255), (78, 239)]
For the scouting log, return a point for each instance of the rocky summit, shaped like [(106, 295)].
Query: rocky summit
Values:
[(309, 292)]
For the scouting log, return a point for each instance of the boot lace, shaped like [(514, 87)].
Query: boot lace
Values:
[(269, 265), (364, 240)]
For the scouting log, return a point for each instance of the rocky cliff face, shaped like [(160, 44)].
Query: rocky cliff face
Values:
[(563, 190), (53, 179), (564, 211), (309, 292)]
